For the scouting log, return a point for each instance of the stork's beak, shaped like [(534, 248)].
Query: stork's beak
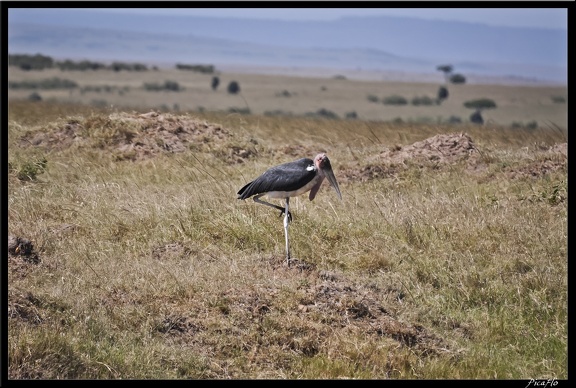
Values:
[(331, 178)]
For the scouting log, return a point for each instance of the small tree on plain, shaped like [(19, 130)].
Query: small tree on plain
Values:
[(479, 105), (442, 94), (233, 87), (446, 69), (215, 82), (476, 117)]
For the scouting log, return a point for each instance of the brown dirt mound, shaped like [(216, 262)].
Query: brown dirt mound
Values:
[(443, 148), (446, 149), (437, 150), (134, 136)]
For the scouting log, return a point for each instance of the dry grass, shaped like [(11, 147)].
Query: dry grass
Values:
[(147, 267)]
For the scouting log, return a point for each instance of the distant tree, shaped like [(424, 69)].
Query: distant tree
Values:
[(233, 87), (476, 117), (442, 94), (215, 82), (446, 69), (457, 79), (30, 62), (479, 105)]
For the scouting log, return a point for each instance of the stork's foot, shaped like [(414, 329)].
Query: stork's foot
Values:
[(283, 211)]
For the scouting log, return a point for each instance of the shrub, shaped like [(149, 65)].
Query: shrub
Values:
[(481, 103), (172, 86), (233, 87), (394, 100), (454, 120), (30, 169), (118, 66), (284, 93), (30, 62), (558, 99), (323, 113), (372, 98), (205, 69), (532, 124), (424, 100), (49, 83), (34, 97), (81, 66), (277, 112), (457, 79), (244, 111), (351, 115)]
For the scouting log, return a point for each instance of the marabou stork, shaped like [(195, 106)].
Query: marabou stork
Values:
[(289, 180)]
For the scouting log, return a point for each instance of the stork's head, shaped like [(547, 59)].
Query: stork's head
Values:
[(324, 168)]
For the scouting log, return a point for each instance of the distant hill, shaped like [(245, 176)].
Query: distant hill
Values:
[(371, 43)]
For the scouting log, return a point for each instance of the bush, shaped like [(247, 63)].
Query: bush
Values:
[(233, 87), (457, 79), (351, 115), (323, 113), (171, 86), (30, 62), (558, 99), (49, 83), (284, 93), (454, 120), (205, 69), (244, 111), (30, 169), (532, 124), (80, 66), (277, 112), (372, 98), (119, 66), (481, 103), (34, 97), (424, 100), (394, 100)]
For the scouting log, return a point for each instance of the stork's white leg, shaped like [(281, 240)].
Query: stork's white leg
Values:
[(286, 222)]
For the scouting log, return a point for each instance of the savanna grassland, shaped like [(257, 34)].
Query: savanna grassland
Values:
[(518, 105), (129, 256)]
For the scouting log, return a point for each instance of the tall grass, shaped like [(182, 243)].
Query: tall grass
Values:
[(152, 269)]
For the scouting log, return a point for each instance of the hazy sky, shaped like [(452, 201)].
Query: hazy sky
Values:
[(513, 17)]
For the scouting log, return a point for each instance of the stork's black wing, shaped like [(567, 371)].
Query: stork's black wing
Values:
[(284, 177)]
